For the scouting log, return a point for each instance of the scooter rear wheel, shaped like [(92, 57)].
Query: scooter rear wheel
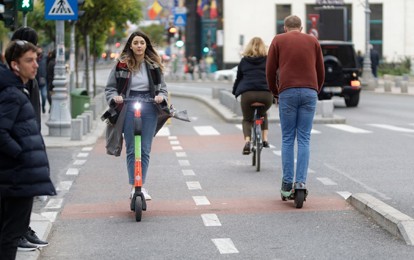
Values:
[(299, 198), (138, 209)]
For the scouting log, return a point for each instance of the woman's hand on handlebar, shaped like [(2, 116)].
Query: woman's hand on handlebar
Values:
[(118, 99), (158, 99)]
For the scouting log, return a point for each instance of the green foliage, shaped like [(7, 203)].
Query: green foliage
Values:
[(156, 33), (395, 68)]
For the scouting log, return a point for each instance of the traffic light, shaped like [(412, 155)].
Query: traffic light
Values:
[(171, 31), (9, 16), (206, 49), (80, 4), (25, 5)]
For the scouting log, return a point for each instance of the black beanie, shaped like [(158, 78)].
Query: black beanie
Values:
[(25, 34)]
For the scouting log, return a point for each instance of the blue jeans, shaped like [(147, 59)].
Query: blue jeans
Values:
[(149, 117), (296, 111)]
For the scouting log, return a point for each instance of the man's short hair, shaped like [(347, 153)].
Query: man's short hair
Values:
[(293, 22), (16, 49)]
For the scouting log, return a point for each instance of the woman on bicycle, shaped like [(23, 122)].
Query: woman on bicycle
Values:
[(137, 74), (252, 86)]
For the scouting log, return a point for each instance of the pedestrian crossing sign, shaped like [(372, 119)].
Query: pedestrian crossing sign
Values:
[(61, 9)]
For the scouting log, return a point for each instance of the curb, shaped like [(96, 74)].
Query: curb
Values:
[(389, 218), (230, 117)]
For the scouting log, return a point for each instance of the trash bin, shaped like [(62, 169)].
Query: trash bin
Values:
[(80, 101)]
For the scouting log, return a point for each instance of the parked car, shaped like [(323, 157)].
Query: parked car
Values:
[(341, 72), (229, 74)]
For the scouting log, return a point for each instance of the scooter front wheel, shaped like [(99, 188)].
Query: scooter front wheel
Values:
[(299, 198), (138, 208)]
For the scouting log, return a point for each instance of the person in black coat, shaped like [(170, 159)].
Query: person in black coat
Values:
[(24, 165), (251, 84)]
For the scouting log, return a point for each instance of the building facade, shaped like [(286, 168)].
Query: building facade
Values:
[(390, 23)]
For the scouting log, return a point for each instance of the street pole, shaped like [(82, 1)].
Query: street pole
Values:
[(367, 78), (59, 122), (72, 57)]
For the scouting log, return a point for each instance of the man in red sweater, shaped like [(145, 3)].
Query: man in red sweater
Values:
[(295, 73)]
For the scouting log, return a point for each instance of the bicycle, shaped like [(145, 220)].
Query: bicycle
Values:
[(256, 138)]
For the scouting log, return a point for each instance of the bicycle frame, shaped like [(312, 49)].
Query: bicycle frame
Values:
[(256, 139)]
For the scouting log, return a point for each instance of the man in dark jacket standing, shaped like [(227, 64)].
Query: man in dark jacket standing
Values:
[(24, 166), (297, 60)]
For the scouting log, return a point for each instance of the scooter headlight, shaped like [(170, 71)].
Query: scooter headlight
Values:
[(137, 106)]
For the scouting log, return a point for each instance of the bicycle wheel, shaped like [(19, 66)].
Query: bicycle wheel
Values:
[(252, 139), (258, 144)]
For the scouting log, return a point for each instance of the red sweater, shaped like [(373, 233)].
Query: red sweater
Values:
[(298, 60)]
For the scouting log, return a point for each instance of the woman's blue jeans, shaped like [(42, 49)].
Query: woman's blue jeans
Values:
[(296, 111), (149, 117)]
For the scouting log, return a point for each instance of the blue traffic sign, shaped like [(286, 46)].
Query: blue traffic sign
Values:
[(61, 9), (180, 19)]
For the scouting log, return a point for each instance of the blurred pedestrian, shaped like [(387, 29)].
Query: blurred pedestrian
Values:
[(24, 166), (30, 241), (297, 60), (41, 77), (374, 60), (137, 74), (360, 60), (252, 86), (50, 73)]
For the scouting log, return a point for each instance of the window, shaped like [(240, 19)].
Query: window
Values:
[(282, 11)]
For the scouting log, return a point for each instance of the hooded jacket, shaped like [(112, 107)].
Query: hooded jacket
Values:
[(251, 75), (24, 166)]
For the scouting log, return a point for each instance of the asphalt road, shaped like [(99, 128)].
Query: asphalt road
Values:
[(244, 217)]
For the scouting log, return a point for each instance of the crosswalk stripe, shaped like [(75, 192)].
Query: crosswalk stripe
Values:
[(348, 128), (206, 130), (393, 128)]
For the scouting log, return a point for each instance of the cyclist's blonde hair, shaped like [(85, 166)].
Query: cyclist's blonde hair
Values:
[(255, 48)]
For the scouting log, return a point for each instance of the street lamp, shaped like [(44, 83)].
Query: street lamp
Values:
[(367, 79)]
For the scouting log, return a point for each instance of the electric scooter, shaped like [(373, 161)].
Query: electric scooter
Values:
[(138, 202), (298, 195)]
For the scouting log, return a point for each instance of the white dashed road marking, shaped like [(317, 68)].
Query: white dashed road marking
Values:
[(64, 185), (348, 128), (79, 162), (210, 220), (201, 200), (393, 128), (181, 154), (193, 185), (326, 181), (72, 171), (54, 204), (51, 216), (83, 155), (184, 162), (225, 246), (188, 172), (206, 130)]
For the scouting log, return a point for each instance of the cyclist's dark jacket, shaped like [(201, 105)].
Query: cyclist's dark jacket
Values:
[(24, 166), (251, 75)]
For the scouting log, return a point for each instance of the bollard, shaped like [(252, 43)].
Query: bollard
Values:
[(83, 118), (76, 129), (327, 108), (387, 86), (404, 87), (88, 115)]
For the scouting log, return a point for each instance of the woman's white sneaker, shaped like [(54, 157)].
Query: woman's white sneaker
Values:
[(146, 195)]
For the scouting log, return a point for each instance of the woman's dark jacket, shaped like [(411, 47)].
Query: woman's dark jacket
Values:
[(24, 166), (251, 75)]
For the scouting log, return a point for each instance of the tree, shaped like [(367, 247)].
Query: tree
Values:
[(99, 17)]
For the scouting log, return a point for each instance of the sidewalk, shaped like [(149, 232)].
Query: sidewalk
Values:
[(42, 226)]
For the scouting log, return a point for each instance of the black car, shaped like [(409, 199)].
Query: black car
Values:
[(341, 72)]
